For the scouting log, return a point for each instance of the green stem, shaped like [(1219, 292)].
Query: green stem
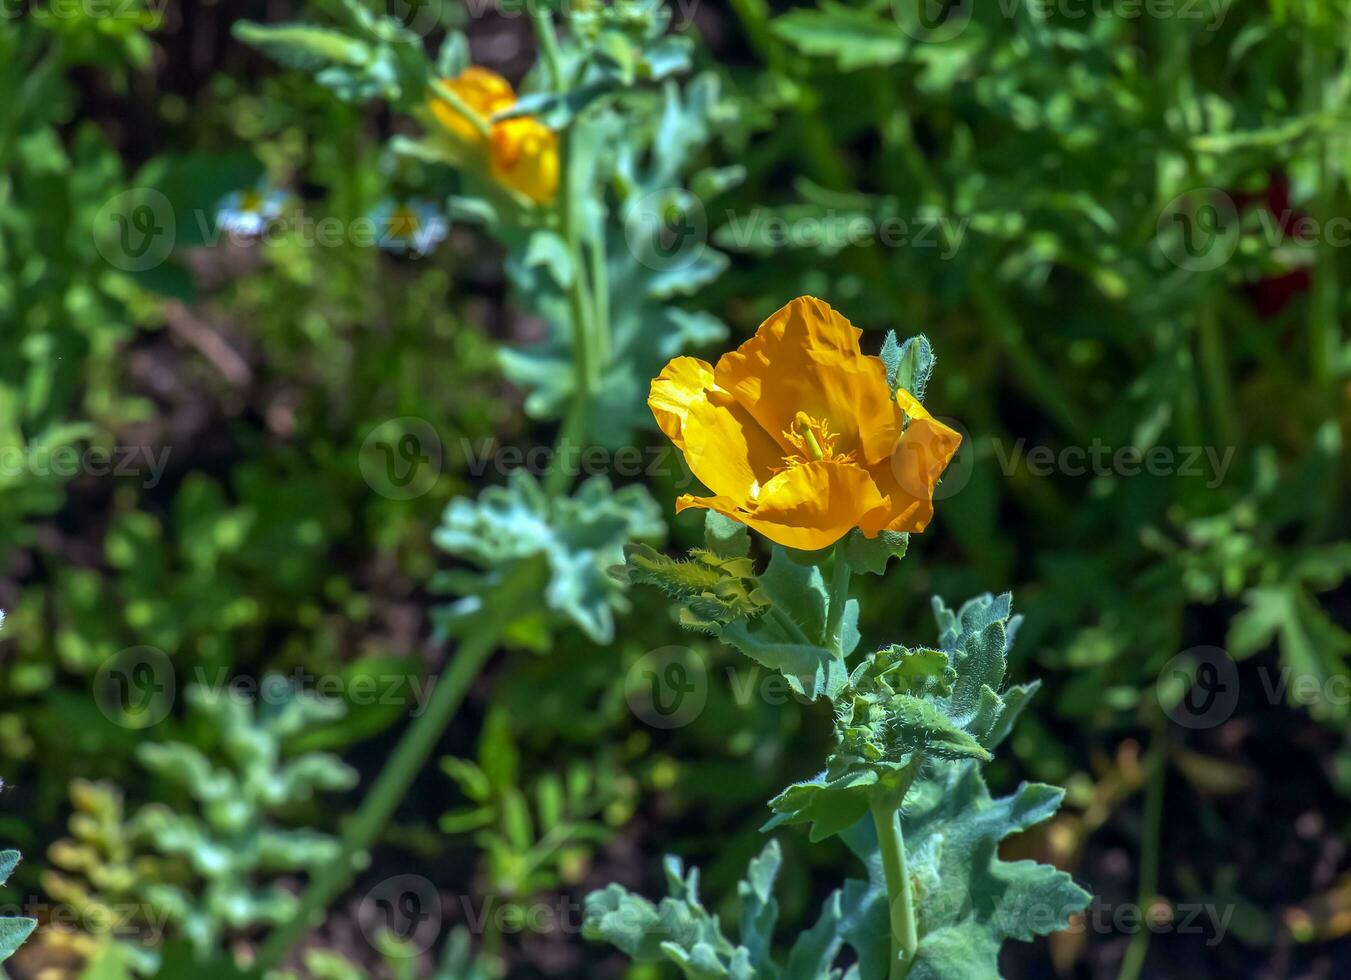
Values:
[(1215, 368), (1150, 844), (398, 774), (585, 366), (446, 94), (1039, 383), (1324, 342), (839, 597), (548, 45), (588, 309), (900, 896), (600, 299), (570, 434)]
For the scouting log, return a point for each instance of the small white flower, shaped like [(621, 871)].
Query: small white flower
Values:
[(248, 212), (414, 226)]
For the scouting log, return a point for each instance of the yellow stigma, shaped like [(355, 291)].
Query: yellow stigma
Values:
[(804, 424)]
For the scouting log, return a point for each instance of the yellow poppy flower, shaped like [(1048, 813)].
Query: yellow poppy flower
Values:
[(522, 153), (524, 157), (481, 89), (798, 436)]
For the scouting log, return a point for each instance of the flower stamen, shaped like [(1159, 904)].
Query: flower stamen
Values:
[(813, 441)]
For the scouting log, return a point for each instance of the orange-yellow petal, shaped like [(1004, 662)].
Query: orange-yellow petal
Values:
[(683, 383), (483, 91), (524, 157), (808, 507), (722, 445), (806, 358), (909, 475)]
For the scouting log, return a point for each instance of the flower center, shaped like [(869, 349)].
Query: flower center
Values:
[(403, 222), (813, 441)]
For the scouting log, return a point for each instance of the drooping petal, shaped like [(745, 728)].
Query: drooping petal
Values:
[(723, 446), (806, 358), (908, 476), (684, 382), (808, 507)]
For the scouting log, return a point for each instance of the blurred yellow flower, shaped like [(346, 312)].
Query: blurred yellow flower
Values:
[(525, 158), (798, 435), (522, 153)]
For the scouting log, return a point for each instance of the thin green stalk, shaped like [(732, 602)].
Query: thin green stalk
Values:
[(548, 45), (570, 434), (600, 296), (586, 369), (1040, 384), (900, 896), (445, 93), (1188, 401), (588, 308), (839, 597), (1037, 381), (1150, 845), (1323, 329), (820, 149), (1215, 369), (398, 774)]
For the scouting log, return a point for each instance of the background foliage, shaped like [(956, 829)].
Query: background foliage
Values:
[(1042, 172)]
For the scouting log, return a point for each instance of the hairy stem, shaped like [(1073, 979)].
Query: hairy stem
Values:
[(900, 897), (839, 598)]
